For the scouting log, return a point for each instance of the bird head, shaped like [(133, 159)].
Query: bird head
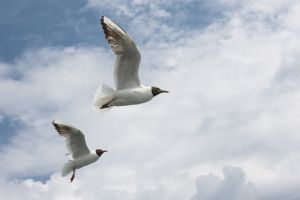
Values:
[(156, 91), (99, 152)]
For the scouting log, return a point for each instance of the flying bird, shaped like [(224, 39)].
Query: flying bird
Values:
[(76, 145), (129, 90)]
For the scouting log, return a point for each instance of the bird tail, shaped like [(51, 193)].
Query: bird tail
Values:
[(103, 96), (67, 168)]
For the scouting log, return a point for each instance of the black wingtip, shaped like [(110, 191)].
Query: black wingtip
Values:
[(56, 126), (104, 27), (54, 123)]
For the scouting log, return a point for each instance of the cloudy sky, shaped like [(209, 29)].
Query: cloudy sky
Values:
[(228, 130)]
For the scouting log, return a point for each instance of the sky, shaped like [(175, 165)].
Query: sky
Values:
[(228, 129)]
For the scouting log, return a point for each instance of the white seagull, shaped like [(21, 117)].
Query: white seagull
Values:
[(80, 153), (129, 90)]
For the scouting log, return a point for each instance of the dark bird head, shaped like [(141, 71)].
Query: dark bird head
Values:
[(157, 91), (99, 152)]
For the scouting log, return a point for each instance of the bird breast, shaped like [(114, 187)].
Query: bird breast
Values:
[(86, 160), (133, 96)]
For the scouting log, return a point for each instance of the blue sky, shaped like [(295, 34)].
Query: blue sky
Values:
[(229, 128), (8, 128), (35, 24)]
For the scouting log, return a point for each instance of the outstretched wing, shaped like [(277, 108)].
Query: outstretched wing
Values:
[(128, 55), (75, 139)]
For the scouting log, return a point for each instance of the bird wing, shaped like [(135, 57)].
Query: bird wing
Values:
[(75, 139), (128, 55)]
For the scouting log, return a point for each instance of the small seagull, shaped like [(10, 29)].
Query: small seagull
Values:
[(129, 90), (80, 153)]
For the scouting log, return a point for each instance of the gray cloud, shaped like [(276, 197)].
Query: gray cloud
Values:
[(232, 187)]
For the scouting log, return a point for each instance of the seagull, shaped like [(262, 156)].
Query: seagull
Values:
[(129, 90), (75, 142)]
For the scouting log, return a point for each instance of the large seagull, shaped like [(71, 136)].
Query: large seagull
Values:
[(80, 153), (129, 90)]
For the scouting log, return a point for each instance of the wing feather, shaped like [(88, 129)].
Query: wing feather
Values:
[(128, 55), (75, 139)]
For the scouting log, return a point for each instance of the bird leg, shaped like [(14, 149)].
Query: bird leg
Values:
[(105, 105), (73, 175), (108, 104)]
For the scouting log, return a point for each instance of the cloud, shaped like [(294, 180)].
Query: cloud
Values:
[(233, 102), (233, 186)]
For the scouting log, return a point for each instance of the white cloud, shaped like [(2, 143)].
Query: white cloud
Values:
[(233, 186), (233, 101)]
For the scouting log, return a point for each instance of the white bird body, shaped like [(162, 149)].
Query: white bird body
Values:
[(80, 154), (125, 97), (129, 90), (85, 160), (132, 96)]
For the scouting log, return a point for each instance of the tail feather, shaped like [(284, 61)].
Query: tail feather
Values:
[(67, 168), (104, 95), (106, 89)]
